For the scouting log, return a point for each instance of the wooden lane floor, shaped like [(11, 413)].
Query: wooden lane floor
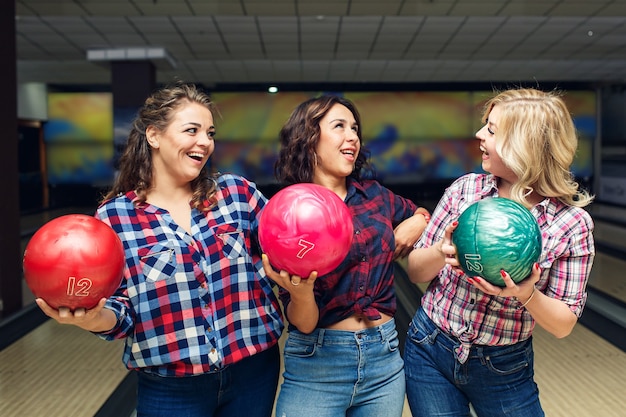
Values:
[(63, 371), (58, 371), (581, 375)]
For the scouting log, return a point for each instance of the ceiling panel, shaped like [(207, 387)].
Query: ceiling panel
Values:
[(225, 41)]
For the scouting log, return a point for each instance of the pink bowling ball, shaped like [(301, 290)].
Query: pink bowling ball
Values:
[(305, 227)]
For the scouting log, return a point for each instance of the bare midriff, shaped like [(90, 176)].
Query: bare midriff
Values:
[(358, 322)]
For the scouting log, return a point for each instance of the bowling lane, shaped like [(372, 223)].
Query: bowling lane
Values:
[(58, 371), (579, 375), (63, 371), (610, 237)]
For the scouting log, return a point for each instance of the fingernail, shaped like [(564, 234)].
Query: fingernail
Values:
[(470, 279), (503, 274), (455, 223)]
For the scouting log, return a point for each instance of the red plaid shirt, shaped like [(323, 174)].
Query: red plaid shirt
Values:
[(363, 282)]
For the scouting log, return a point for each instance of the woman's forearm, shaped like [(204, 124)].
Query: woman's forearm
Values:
[(425, 263)]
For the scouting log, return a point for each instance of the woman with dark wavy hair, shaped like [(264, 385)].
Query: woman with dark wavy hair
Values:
[(341, 357)]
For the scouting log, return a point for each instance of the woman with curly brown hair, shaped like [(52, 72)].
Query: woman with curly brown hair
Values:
[(342, 356)]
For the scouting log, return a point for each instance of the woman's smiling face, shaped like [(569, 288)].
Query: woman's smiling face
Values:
[(488, 136), (339, 144), (183, 148)]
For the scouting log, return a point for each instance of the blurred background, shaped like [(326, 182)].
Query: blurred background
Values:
[(419, 72)]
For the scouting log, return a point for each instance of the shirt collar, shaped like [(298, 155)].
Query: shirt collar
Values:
[(353, 186), (490, 187), (547, 206), (134, 198)]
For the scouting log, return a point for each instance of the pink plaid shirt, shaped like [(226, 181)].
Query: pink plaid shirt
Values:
[(476, 318)]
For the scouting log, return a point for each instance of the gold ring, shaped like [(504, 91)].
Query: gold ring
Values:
[(295, 284)]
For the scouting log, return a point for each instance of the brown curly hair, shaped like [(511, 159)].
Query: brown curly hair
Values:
[(135, 172), (300, 135)]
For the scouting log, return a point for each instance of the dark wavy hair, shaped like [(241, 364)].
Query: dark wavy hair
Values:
[(135, 167), (300, 135)]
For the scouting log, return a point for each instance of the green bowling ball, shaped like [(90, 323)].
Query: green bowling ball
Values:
[(497, 233)]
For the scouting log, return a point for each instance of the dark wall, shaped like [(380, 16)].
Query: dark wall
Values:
[(10, 265)]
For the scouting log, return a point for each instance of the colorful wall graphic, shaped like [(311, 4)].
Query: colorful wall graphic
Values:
[(79, 138), (413, 136)]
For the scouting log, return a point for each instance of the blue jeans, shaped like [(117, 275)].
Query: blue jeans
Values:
[(332, 373), (496, 380), (244, 389)]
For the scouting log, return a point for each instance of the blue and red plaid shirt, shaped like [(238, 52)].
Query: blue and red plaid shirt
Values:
[(363, 282), (477, 318), (191, 304)]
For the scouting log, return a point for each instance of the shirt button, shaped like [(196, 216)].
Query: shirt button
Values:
[(357, 232), (361, 288), (362, 258)]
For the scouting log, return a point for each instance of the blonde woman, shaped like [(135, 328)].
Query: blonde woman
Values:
[(471, 341)]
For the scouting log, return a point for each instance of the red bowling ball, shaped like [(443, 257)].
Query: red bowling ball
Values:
[(304, 228), (73, 261)]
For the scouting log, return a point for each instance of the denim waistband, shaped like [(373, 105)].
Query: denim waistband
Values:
[(453, 343), (165, 371), (381, 333)]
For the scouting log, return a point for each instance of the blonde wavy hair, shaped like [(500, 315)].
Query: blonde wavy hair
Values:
[(539, 144)]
